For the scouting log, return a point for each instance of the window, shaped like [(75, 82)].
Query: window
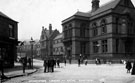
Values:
[(103, 26), (95, 31), (117, 45), (65, 27), (11, 31), (95, 47), (82, 29), (104, 46)]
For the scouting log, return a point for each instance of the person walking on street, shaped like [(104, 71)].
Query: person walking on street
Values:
[(79, 62), (58, 63), (65, 62), (24, 63), (128, 66)]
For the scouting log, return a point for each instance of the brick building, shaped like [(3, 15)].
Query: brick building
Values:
[(107, 31), (8, 40), (58, 46)]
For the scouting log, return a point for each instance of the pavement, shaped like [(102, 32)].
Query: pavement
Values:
[(17, 71)]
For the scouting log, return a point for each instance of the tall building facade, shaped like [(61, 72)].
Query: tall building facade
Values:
[(58, 47), (106, 31), (46, 41), (8, 40)]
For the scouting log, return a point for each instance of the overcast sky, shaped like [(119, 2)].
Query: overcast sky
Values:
[(33, 14)]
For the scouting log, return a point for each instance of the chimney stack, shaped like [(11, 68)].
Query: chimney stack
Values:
[(95, 5), (50, 28)]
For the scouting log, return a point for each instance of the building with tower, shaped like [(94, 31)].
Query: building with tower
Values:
[(46, 41), (107, 31)]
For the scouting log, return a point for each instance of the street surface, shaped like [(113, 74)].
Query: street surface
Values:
[(115, 73)]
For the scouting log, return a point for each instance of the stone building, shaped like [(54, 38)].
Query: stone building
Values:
[(46, 41), (107, 31), (58, 47), (8, 40)]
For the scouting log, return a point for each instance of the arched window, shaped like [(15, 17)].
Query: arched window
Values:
[(95, 31), (82, 29), (103, 26)]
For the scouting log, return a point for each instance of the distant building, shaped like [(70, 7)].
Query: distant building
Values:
[(25, 50), (58, 47), (46, 41), (8, 40), (106, 31)]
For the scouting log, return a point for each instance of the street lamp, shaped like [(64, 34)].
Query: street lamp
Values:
[(32, 42)]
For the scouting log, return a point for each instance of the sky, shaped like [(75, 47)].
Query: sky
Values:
[(33, 14)]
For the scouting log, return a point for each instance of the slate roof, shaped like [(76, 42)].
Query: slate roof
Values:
[(59, 36), (3, 15), (78, 13), (110, 5)]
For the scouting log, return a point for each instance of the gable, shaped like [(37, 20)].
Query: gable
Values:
[(124, 7), (126, 3)]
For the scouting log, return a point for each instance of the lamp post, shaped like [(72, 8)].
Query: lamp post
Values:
[(32, 42)]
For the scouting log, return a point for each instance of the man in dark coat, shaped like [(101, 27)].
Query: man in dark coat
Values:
[(128, 66), (45, 65), (29, 61), (79, 62), (2, 69), (52, 62), (24, 63), (133, 69)]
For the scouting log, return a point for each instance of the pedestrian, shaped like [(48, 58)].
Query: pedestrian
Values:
[(65, 62), (133, 69), (86, 61), (24, 62), (52, 62), (79, 62), (2, 69), (128, 66), (49, 65), (58, 63), (45, 65), (29, 61), (96, 61)]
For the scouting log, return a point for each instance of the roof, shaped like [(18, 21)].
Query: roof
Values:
[(110, 5), (3, 15), (78, 13), (59, 36)]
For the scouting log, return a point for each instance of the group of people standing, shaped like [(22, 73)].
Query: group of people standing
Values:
[(24, 62), (130, 67), (49, 64)]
